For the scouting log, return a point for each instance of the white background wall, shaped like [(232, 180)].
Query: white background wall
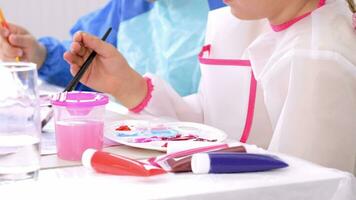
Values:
[(48, 17)]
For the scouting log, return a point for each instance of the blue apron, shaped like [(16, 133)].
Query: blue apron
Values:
[(166, 41)]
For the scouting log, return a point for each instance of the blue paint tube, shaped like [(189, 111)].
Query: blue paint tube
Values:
[(231, 162)]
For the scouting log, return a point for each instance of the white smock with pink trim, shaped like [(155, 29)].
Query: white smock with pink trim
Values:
[(304, 100)]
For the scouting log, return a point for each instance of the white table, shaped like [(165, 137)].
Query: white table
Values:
[(302, 180), (69, 180)]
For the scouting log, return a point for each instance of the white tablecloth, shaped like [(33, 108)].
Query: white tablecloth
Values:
[(301, 180)]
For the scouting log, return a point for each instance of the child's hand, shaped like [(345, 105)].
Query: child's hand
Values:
[(18, 42), (109, 72)]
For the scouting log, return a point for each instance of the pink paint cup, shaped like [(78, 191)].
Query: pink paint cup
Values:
[(79, 123)]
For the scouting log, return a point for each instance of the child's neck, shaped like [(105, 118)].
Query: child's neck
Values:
[(293, 9)]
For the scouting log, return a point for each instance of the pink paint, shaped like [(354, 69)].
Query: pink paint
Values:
[(74, 137), (178, 137)]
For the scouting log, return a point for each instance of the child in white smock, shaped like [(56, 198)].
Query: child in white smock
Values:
[(282, 76)]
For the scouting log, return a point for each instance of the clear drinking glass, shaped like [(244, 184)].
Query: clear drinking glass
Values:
[(19, 122)]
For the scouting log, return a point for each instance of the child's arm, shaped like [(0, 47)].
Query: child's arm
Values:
[(166, 102), (16, 41), (109, 72)]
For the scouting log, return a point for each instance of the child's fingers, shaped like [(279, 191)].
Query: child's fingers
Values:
[(5, 58), (17, 29), (4, 32), (74, 69), (73, 58), (93, 43), (9, 50), (21, 40), (77, 48), (78, 37)]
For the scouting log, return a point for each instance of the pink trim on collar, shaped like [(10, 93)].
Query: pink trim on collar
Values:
[(284, 26)]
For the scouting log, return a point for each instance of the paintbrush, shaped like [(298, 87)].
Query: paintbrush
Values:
[(74, 82), (4, 24), (72, 85)]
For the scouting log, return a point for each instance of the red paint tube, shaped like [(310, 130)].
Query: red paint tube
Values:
[(108, 163)]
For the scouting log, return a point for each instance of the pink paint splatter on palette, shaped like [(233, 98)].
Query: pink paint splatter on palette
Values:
[(178, 137), (158, 132), (191, 137)]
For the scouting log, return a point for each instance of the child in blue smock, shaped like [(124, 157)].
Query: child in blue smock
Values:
[(137, 32)]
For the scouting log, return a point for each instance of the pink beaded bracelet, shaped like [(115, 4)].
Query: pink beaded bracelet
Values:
[(148, 97)]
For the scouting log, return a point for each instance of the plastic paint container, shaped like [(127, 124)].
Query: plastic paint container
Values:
[(79, 123)]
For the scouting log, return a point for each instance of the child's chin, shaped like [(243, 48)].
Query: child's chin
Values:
[(242, 16)]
